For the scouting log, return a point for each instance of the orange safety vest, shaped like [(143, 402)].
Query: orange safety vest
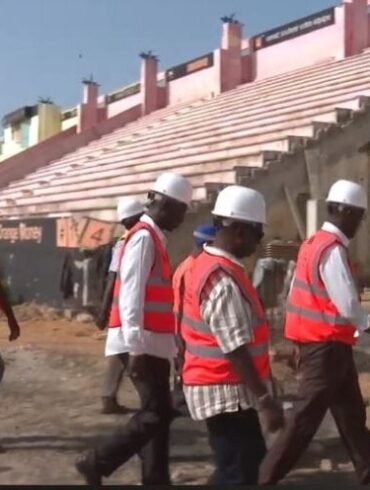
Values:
[(205, 363), (178, 284), (311, 316), (158, 302)]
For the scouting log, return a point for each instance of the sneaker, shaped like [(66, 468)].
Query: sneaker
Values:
[(112, 407)]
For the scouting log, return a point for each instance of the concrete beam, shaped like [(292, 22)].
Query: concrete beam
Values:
[(295, 213), (315, 210)]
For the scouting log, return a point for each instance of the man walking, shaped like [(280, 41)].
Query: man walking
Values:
[(203, 235), (323, 318), (142, 322), (227, 368), (7, 310), (14, 330), (129, 212)]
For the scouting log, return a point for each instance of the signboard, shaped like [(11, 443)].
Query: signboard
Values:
[(294, 29), (36, 254), (69, 114), (96, 233), (83, 232), (68, 232), (190, 67), (125, 92), (34, 232)]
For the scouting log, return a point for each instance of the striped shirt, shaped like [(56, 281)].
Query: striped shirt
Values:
[(229, 317)]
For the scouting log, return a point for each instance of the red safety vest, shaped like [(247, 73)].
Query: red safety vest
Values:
[(177, 284), (158, 303), (205, 363), (311, 316)]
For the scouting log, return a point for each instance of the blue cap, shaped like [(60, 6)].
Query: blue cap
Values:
[(203, 234)]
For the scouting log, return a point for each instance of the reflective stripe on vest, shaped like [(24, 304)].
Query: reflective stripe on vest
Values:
[(310, 288), (158, 303), (311, 316), (205, 363), (213, 352), (316, 315), (203, 327)]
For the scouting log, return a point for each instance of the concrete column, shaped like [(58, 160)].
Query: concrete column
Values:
[(230, 62), (88, 111), (316, 212), (148, 80), (356, 26)]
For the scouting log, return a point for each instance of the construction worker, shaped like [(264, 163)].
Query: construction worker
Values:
[(323, 318), (14, 330), (129, 212), (7, 310), (226, 372), (142, 324), (203, 235)]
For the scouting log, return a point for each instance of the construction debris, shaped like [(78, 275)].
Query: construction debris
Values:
[(36, 312)]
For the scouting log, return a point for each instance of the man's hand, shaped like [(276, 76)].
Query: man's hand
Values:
[(273, 414), (15, 331), (101, 323)]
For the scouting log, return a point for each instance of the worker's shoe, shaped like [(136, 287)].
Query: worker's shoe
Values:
[(112, 407), (88, 471)]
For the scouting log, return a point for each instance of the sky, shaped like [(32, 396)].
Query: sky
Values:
[(49, 46)]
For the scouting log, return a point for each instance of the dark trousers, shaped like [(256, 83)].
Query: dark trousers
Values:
[(329, 381), (116, 368), (147, 432), (238, 445)]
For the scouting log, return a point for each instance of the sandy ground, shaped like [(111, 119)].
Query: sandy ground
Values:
[(50, 404)]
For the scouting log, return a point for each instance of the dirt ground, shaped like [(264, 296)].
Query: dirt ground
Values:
[(50, 413)]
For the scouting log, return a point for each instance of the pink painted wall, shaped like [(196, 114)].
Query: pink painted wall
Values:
[(162, 97), (301, 51), (123, 105), (356, 26), (192, 87), (57, 146)]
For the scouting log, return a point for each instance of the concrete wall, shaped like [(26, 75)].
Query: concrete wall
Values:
[(122, 105), (49, 121), (34, 130), (192, 87), (302, 51), (69, 123), (37, 156), (10, 147), (43, 125)]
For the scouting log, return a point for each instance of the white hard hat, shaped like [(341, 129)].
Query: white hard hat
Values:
[(348, 193), (127, 208), (174, 186), (241, 204)]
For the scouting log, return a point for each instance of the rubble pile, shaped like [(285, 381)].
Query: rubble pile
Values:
[(36, 312)]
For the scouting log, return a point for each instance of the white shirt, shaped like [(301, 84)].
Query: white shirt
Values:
[(114, 263), (135, 269)]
